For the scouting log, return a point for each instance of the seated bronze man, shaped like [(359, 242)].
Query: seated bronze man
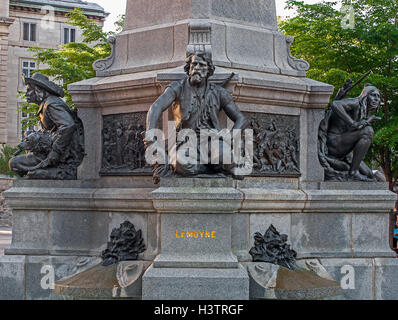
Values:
[(196, 104), (346, 135), (60, 124)]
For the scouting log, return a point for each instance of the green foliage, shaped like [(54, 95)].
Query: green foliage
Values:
[(72, 62), (30, 109), (6, 153), (336, 54)]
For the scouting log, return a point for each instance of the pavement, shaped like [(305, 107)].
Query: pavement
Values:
[(5, 239)]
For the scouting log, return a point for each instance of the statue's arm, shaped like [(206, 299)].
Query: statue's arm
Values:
[(65, 129), (233, 112), (66, 126), (340, 108), (159, 106)]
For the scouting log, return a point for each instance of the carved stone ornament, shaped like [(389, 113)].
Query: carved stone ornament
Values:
[(199, 38), (276, 144), (272, 248), (125, 244), (296, 64), (104, 64)]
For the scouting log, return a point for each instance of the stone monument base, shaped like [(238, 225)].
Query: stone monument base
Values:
[(195, 284), (61, 227)]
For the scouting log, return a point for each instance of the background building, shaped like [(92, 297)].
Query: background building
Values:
[(25, 24)]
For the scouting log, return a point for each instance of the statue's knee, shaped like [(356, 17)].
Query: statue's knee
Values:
[(12, 164), (368, 132)]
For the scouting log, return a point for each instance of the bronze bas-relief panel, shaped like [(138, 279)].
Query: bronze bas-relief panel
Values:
[(276, 146), (123, 150)]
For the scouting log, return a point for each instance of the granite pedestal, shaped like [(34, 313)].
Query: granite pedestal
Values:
[(60, 222)]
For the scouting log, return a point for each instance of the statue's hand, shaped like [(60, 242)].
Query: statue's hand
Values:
[(373, 119), (42, 165), (149, 138), (51, 160), (358, 125)]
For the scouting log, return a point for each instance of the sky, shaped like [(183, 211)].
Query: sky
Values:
[(118, 7)]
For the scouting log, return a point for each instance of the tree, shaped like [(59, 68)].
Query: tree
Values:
[(71, 62), (337, 51)]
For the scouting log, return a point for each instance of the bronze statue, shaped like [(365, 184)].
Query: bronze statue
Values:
[(57, 151), (196, 104), (346, 134)]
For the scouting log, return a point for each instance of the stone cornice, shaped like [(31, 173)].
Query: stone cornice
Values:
[(6, 21), (204, 200), (63, 12), (132, 90)]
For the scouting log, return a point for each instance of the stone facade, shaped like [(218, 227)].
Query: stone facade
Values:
[(14, 50), (5, 22)]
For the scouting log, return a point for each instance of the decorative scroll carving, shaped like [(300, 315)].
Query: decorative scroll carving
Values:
[(104, 64), (125, 244), (276, 144), (123, 150), (199, 38), (272, 248), (296, 64)]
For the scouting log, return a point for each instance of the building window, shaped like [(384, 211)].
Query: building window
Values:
[(29, 31), (28, 67), (31, 128), (69, 35)]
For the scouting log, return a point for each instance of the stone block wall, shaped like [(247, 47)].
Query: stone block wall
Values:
[(5, 211)]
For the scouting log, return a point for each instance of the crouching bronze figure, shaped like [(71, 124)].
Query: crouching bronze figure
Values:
[(346, 134)]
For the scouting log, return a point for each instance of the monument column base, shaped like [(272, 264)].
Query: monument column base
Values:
[(196, 260), (195, 284)]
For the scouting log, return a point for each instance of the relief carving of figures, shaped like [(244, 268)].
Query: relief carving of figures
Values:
[(276, 144), (58, 149), (123, 145)]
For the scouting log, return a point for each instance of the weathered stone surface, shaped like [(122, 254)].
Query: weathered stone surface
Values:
[(272, 200), (30, 232), (353, 185), (12, 276), (349, 201), (370, 235), (90, 167), (321, 235), (256, 12), (311, 169), (386, 282), (80, 198), (268, 183), (240, 236), (196, 240), (41, 272), (195, 284), (354, 275), (78, 233), (122, 280), (197, 199), (268, 281)]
